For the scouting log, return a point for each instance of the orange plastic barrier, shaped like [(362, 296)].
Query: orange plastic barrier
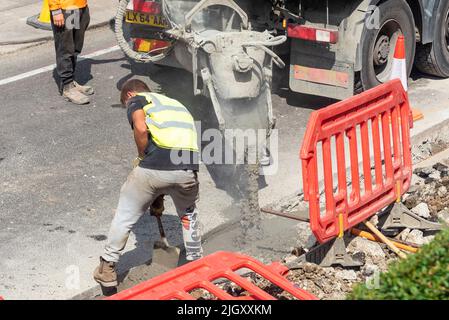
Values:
[(176, 284), (375, 118)]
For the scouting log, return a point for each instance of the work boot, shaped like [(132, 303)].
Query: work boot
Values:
[(72, 94), (87, 90), (105, 274)]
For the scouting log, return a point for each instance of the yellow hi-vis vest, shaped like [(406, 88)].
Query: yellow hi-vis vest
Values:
[(170, 123)]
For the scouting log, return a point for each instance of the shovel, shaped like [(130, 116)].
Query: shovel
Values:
[(163, 254)]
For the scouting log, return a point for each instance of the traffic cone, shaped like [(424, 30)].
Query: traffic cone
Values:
[(41, 20), (399, 71)]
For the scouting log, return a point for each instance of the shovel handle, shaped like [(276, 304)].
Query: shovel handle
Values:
[(385, 240), (160, 226)]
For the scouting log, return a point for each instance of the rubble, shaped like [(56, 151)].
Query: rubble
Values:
[(422, 210), (404, 234), (370, 248), (442, 191), (443, 215), (346, 275), (433, 193), (416, 237), (427, 197), (423, 172)]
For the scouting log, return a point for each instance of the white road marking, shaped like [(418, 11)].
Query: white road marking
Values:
[(51, 67)]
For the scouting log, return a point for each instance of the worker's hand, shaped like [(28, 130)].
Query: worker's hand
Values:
[(136, 162), (58, 20), (157, 207)]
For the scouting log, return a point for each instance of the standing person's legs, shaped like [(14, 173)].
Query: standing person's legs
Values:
[(65, 49), (79, 33), (65, 55), (78, 37)]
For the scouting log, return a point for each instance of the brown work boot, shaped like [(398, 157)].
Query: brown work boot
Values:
[(72, 94), (87, 90), (105, 274)]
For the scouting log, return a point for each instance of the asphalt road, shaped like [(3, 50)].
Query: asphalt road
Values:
[(62, 166)]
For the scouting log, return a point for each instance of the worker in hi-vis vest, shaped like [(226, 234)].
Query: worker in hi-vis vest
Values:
[(69, 21), (167, 144)]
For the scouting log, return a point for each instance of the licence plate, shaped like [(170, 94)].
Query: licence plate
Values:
[(146, 19)]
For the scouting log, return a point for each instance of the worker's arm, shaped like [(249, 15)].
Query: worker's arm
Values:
[(56, 12), (140, 131)]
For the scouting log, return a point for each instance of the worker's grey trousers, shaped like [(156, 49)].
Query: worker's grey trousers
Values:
[(140, 190), (69, 41)]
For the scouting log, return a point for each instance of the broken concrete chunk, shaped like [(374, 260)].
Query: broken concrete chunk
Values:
[(435, 175), (424, 172), (416, 180), (411, 201), (416, 237), (404, 234), (441, 167), (442, 191), (422, 210), (346, 275), (443, 215), (370, 248)]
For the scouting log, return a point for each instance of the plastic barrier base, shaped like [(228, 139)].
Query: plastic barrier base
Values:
[(329, 254), (204, 274), (401, 217)]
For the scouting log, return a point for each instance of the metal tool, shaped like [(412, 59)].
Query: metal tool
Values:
[(163, 253)]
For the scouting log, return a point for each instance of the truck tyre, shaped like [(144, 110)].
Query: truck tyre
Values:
[(378, 44), (433, 58)]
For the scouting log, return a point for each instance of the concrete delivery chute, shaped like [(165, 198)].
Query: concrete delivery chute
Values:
[(230, 63)]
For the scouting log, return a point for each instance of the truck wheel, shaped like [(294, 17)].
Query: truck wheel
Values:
[(378, 44), (433, 58)]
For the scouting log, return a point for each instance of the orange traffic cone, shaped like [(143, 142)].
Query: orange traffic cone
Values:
[(399, 71), (42, 19)]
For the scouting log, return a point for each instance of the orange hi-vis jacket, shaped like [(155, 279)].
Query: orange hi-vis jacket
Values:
[(66, 4)]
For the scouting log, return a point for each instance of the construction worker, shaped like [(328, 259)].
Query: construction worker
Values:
[(165, 133), (69, 21)]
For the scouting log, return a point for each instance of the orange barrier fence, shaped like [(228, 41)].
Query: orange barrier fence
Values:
[(376, 124), (177, 284)]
